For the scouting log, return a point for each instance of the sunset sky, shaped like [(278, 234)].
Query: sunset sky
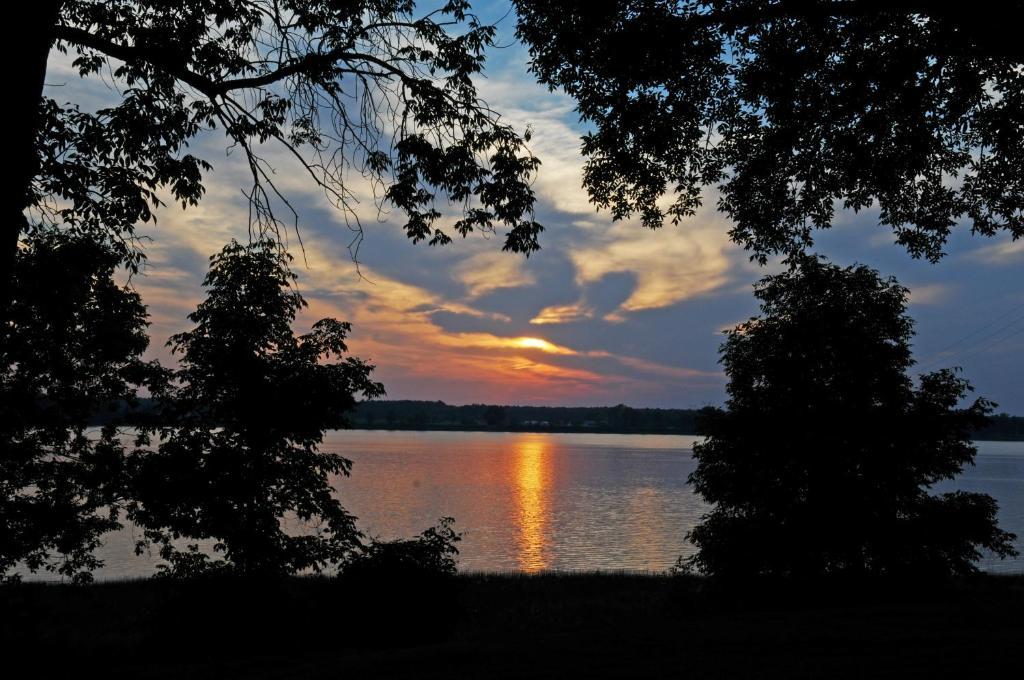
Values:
[(605, 313)]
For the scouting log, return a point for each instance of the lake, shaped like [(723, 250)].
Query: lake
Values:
[(532, 502)]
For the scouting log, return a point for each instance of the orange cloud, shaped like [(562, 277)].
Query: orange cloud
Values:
[(562, 314)]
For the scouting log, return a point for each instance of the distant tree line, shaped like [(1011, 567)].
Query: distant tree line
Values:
[(439, 415), (1003, 427), (408, 414), (405, 414)]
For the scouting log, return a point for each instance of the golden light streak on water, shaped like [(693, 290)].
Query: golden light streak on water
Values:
[(532, 478)]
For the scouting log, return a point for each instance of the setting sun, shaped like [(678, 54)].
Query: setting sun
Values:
[(543, 345)]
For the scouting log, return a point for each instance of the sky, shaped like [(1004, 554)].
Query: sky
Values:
[(606, 313)]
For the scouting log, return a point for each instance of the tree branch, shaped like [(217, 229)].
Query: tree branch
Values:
[(128, 53), (211, 88)]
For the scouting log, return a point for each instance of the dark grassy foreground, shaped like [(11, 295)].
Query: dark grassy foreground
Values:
[(514, 626)]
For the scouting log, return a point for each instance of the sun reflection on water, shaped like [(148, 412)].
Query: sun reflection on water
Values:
[(531, 482)]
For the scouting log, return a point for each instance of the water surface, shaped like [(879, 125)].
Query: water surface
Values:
[(531, 502)]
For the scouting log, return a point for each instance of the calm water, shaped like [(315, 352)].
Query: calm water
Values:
[(555, 501)]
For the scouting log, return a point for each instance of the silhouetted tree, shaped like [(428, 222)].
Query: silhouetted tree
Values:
[(367, 87), (71, 348), (792, 107), (248, 408), (823, 459)]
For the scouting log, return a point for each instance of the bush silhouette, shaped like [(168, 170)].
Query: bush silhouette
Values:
[(823, 459), (432, 553)]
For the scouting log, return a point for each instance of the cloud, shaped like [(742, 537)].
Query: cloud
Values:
[(556, 314), (615, 317), (393, 321), (489, 271), (668, 371), (930, 294), (463, 310), (669, 264), (556, 136), (1004, 253)]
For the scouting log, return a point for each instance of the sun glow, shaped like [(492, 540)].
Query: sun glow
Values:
[(543, 345)]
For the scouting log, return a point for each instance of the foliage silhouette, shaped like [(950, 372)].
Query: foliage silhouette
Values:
[(248, 407), (369, 86), (433, 552), (790, 107), (823, 460), (72, 346)]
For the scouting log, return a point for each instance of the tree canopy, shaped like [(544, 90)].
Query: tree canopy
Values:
[(792, 108), (823, 459), (247, 409), (369, 91)]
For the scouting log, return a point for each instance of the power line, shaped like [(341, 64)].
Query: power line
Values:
[(998, 343), (982, 328), (977, 346)]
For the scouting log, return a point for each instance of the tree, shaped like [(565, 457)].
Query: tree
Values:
[(794, 107), (245, 414), (71, 349), (364, 87), (822, 461)]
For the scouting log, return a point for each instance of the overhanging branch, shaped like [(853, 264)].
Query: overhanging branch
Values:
[(307, 63)]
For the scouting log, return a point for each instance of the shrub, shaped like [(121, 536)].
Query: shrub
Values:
[(432, 553)]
